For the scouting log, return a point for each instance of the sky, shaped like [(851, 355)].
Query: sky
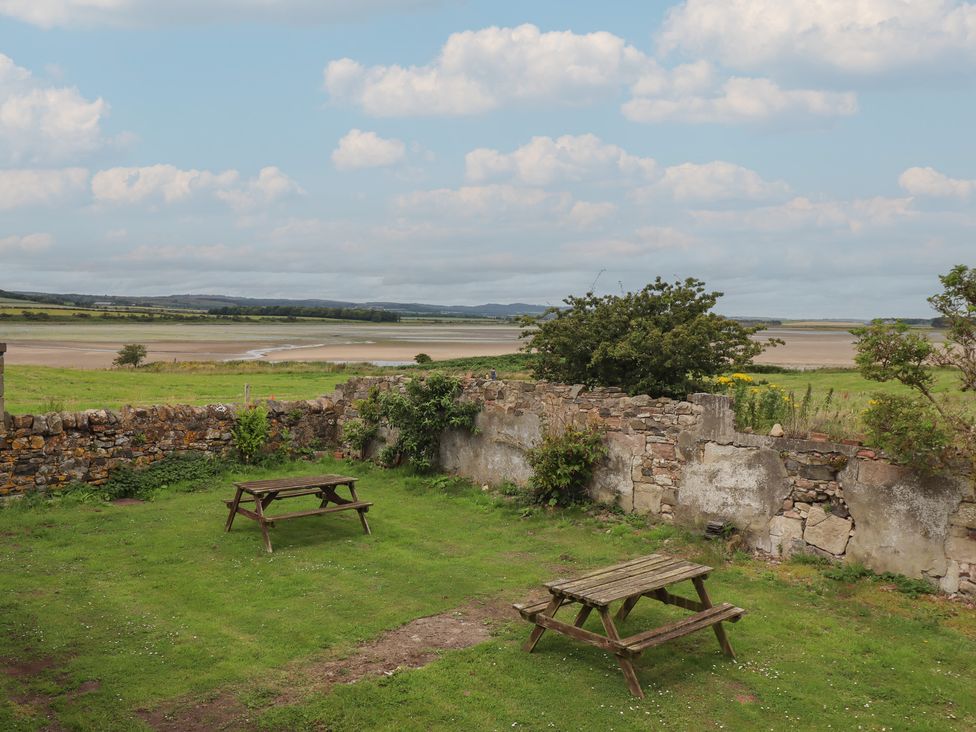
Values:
[(807, 159)]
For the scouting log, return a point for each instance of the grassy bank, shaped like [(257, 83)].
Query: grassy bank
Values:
[(108, 610)]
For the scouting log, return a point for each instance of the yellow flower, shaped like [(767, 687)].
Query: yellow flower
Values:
[(742, 377), (872, 402), (724, 380)]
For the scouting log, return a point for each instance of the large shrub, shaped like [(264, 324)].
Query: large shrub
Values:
[(663, 340), (251, 432), (563, 463), (417, 418), (926, 431)]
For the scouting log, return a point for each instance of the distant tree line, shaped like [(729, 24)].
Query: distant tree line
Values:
[(290, 311)]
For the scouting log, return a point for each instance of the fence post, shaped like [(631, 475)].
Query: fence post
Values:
[(3, 349)]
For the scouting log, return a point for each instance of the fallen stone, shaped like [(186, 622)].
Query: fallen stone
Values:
[(827, 532), (777, 430)]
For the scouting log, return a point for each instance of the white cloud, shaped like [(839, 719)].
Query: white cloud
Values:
[(481, 70), (643, 241), (269, 186), (735, 100), (29, 244), (169, 184), (587, 213), (358, 149), (718, 180), (803, 213), (39, 187), (545, 160), (850, 36), (586, 158), (51, 13), (40, 123), (930, 182), (481, 200)]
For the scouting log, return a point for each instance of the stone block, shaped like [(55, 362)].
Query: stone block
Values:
[(964, 516), (962, 549), (827, 532), (785, 535)]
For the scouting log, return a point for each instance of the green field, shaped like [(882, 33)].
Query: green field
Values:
[(110, 609), (34, 389)]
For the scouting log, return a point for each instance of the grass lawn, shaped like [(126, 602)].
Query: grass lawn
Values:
[(33, 389), (110, 609)]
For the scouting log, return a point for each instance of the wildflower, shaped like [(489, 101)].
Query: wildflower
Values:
[(742, 377)]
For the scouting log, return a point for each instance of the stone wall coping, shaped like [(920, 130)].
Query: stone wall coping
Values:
[(3, 347)]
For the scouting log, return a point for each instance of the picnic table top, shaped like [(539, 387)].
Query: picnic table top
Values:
[(284, 484), (627, 579)]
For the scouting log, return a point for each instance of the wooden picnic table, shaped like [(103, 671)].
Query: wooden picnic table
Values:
[(263, 492), (647, 576)]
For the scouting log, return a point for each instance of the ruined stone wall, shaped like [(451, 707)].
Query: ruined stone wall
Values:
[(48, 451), (684, 461)]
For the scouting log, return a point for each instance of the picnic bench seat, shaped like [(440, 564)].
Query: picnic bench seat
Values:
[(261, 493), (629, 581)]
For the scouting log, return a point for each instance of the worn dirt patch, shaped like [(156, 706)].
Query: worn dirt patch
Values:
[(413, 645), (20, 668)]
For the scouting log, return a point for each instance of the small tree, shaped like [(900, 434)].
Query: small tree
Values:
[(563, 463), (131, 354), (663, 340), (251, 432), (923, 431), (422, 358)]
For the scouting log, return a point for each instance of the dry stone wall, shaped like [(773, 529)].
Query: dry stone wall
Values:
[(48, 451)]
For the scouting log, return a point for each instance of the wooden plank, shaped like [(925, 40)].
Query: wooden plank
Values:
[(639, 576), (318, 511), (611, 593), (529, 611), (668, 599), (625, 663), (559, 583), (723, 640), (551, 609), (278, 484), (691, 624), (580, 634)]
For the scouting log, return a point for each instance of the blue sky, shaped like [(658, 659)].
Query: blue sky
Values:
[(808, 159)]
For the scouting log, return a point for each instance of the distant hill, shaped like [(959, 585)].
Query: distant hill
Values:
[(209, 302)]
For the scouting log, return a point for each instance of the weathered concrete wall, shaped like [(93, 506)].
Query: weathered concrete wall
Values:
[(685, 462), (48, 451)]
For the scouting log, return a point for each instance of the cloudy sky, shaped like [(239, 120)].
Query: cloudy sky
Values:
[(808, 159)]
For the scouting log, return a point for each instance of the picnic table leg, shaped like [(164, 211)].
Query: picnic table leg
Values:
[(538, 630), (259, 510), (625, 663), (625, 609), (582, 615), (233, 509), (723, 639), (362, 520)]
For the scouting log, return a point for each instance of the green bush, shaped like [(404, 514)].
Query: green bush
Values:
[(563, 462), (909, 430), (663, 340), (251, 431), (417, 417), (357, 433), (127, 481), (131, 354), (422, 358)]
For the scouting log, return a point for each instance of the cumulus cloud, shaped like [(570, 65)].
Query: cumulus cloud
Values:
[(86, 13), (358, 149), (718, 180), (478, 71), (930, 182), (479, 200), (850, 36), (39, 187), (734, 100), (803, 213), (588, 213), (39, 122), (28, 244), (545, 160), (169, 184)]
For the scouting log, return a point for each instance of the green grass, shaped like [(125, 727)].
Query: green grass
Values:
[(157, 604), (851, 394), (33, 389)]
